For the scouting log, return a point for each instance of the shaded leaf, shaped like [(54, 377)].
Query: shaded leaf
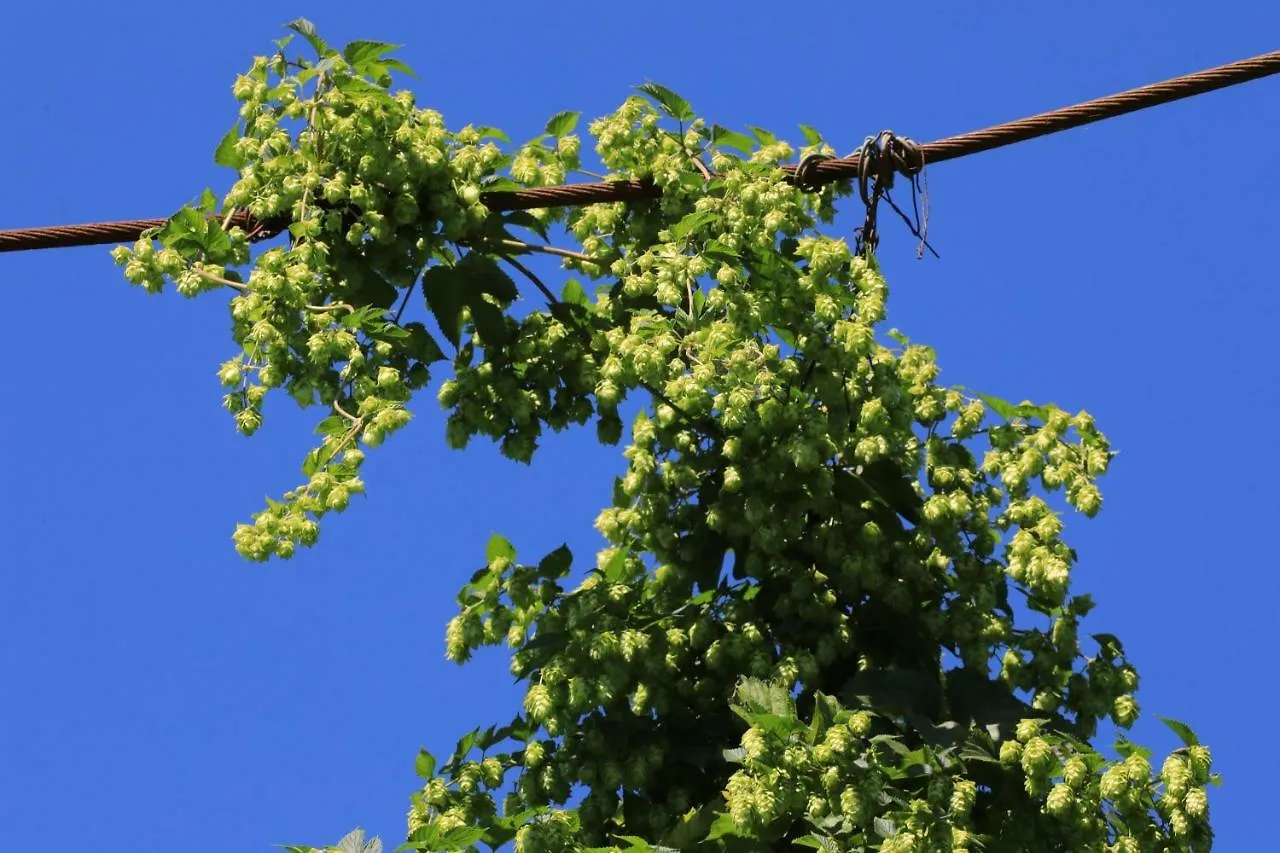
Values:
[(897, 690), (420, 344), (1109, 645), (556, 564), (483, 275), (490, 323), (525, 219), (445, 295), (895, 487)]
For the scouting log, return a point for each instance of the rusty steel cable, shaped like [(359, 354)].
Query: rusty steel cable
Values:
[(817, 173)]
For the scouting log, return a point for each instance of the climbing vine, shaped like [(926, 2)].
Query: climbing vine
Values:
[(834, 607)]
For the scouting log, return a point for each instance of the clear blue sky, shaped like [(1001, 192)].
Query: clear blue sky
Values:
[(162, 695)]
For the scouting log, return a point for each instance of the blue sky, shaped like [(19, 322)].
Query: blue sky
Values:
[(160, 694)]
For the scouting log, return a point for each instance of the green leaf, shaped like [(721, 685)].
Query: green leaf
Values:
[(692, 222), (755, 695), (461, 837), (355, 87), (332, 425), (425, 837), (446, 296), (313, 462), (1125, 748), (1182, 730), (365, 58), (425, 764), (1009, 412), (765, 137), (899, 337), (724, 825), (361, 51), (487, 132), (563, 123), (691, 828), (811, 136), (884, 827), (1003, 408), (727, 138), (615, 570), (397, 65), (671, 103), (464, 747), (499, 547), (824, 710), (226, 153), (208, 203), (353, 842), (307, 30), (717, 251), (573, 294)]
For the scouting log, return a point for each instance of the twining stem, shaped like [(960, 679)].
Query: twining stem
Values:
[(217, 279), (547, 250), (337, 407), (235, 285)]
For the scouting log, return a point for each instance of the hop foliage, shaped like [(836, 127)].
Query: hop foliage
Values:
[(802, 627)]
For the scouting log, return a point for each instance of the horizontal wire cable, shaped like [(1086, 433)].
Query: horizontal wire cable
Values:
[(826, 171)]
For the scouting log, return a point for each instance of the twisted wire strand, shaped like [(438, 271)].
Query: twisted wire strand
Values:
[(818, 173)]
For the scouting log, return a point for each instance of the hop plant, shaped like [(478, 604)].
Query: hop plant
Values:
[(813, 552)]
